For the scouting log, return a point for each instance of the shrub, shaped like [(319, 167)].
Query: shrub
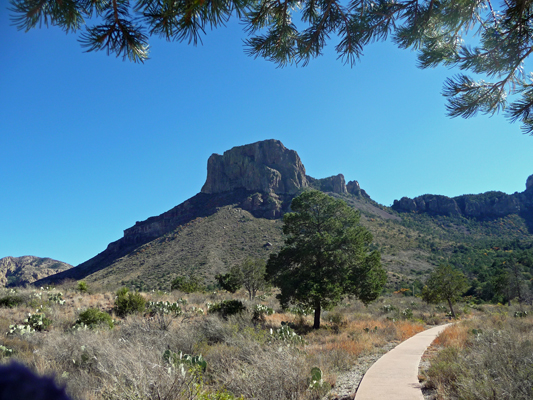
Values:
[(187, 284), (227, 307), (11, 301), (56, 298), (128, 302), (93, 317), (34, 322), (259, 312), (82, 287)]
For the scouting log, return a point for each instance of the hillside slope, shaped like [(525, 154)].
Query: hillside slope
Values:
[(19, 271), (238, 214)]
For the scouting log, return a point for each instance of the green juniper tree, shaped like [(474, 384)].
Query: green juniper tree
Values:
[(325, 256), (490, 40), (445, 284)]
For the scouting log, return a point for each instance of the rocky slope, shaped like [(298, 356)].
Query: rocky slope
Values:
[(258, 181), (238, 213), (18, 271)]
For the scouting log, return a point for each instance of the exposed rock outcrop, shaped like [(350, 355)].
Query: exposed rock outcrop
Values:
[(265, 166), (485, 205), (529, 182), (354, 188)]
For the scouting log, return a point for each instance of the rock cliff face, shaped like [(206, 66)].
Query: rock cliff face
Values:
[(529, 182), (485, 205), (261, 178), (265, 166), (15, 271)]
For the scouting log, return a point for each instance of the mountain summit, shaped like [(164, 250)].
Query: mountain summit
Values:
[(257, 181), (266, 166)]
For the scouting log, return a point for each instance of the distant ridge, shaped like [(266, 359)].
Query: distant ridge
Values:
[(481, 206), (19, 271)]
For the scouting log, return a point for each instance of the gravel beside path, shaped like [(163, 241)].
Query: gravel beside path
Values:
[(348, 381)]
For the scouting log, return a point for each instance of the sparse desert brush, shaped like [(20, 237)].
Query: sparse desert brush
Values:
[(485, 358), (268, 358)]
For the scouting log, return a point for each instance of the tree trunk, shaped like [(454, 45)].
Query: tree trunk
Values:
[(316, 325), (451, 308)]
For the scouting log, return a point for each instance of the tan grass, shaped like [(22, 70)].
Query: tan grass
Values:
[(455, 335)]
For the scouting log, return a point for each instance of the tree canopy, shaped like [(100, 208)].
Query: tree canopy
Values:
[(492, 41), (445, 284), (325, 256)]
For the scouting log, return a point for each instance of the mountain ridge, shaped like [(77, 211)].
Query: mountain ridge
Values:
[(238, 211)]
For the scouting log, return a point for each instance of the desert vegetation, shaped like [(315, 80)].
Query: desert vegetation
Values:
[(209, 345), (484, 358)]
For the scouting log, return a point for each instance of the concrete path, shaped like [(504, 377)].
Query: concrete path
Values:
[(395, 375)]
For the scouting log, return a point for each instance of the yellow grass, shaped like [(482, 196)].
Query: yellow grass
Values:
[(455, 335)]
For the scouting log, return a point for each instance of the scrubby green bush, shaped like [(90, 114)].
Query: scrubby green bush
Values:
[(92, 318), (187, 284), (82, 287), (11, 300), (227, 307), (129, 302)]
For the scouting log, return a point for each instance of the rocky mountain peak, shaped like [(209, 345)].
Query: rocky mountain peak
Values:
[(529, 182), (266, 166)]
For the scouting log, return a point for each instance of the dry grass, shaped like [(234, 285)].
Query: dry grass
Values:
[(483, 358), (455, 335), (243, 357)]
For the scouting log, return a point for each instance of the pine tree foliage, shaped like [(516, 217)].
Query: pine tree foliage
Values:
[(492, 41), (325, 257)]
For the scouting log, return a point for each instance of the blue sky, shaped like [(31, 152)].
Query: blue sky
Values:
[(90, 144)]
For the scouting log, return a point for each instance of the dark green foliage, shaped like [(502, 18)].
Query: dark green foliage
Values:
[(187, 284), (325, 256), (231, 281), (227, 307), (11, 300), (294, 32), (92, 317), (129, 302), (82, 287), (445, 284)]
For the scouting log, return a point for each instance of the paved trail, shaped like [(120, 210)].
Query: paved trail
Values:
[(395, 375)]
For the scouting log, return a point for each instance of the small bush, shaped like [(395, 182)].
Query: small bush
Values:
[(187, 284), (93, 317), (82, 287), (34, 322), (260, 311), (128, 302), (11, 301), (227, 307)]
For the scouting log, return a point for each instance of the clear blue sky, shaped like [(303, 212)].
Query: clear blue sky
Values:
[(89, 143)]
